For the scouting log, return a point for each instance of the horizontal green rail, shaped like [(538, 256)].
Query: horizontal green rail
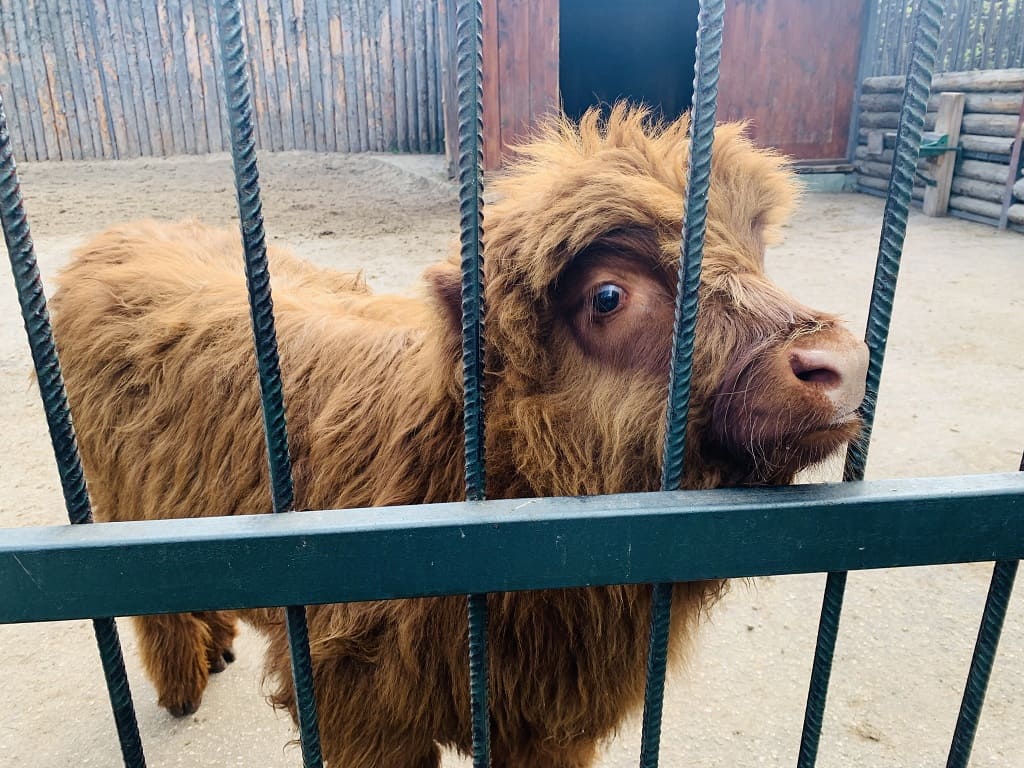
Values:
[(119, 569)]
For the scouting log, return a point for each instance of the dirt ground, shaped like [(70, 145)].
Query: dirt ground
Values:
[(949, 405)]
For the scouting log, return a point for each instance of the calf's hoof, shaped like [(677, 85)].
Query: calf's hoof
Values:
[(182, 698), (219, 661), (184, 707), (217, 665)]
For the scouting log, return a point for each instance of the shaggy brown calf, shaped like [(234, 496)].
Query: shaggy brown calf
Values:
[(582, 254)]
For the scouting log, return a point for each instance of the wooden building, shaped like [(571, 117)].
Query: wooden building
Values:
[(788, 66), (117, 78)]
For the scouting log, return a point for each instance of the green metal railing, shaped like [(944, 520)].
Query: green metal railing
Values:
[(890, 249), (18, 237), (711, 18), (257, 278), (506, 545), (469, 76), (493, 546)]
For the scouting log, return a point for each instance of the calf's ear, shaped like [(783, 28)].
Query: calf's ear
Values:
[(753, 190), (444, 284)]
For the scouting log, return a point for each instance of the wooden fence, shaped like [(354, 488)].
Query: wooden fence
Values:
[(984, 180), (976, 34), (124, 78)]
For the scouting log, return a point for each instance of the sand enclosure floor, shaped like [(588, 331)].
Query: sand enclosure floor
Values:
[(950, 404)]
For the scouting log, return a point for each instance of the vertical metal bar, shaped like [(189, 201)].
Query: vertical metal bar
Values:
[(710, 25), (821, 669), (243, 152), (999, 590), (985, 647), (894, 229), (18, 237), (469, 74)]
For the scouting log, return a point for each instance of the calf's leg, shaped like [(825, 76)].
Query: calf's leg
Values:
[(542, 754), (223, 629), (357, 748), (175, 650)]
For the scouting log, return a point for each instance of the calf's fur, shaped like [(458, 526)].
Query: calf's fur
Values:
[(153, 329)]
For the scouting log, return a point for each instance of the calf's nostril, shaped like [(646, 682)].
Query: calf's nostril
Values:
[(814, 366), (820, 376)]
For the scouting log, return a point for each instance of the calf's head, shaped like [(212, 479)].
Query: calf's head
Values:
[(582, 256)]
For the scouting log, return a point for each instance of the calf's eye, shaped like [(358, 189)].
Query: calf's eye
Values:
[(607, 298)]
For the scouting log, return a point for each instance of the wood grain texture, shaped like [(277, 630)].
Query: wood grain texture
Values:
[(71, 89), (195, 76), (975, 35), (112, 79), (975, 182), (948, 122), (12, 89), (790, 68), (371, 62), (446, 44), (996, 173), (298, 71), (61, 107), (431, 77), (153, 43), (978, 81), (398, 73), (520, 82), (258, 75), (309, 52), (340, 100), (420, 60), (38, 92), (291, 108), (138, 35), (387, 83), (173, 45), (136, 94), (980, 190), (492, 88), (270, 81)]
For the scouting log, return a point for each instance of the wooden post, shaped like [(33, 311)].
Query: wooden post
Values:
[(951, 112), (1011, 178)]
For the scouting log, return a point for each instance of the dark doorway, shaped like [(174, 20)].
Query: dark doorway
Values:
[(618, 49)]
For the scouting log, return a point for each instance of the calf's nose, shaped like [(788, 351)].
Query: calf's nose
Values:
[(837, 372)]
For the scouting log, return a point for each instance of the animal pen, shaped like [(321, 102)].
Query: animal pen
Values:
[(49, 574)]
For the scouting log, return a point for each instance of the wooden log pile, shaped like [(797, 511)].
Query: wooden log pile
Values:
[(990, 127)]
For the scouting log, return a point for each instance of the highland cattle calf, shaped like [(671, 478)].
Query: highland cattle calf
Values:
[(582, 252)]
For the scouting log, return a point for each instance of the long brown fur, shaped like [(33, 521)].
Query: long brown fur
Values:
[(154, 333)]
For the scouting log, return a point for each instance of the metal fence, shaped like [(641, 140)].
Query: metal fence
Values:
[(976, 34), (724, 533)]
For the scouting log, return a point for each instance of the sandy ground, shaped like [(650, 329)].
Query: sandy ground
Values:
[(949, 405)]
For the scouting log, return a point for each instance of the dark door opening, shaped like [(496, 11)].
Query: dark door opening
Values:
[(616, 49)]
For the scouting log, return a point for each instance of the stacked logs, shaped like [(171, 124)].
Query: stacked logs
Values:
[(991, 121)]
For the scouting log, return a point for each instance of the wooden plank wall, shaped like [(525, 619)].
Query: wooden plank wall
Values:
[(520, 77), (805, 57), (117, 78), (985, 167), (976, 34)]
